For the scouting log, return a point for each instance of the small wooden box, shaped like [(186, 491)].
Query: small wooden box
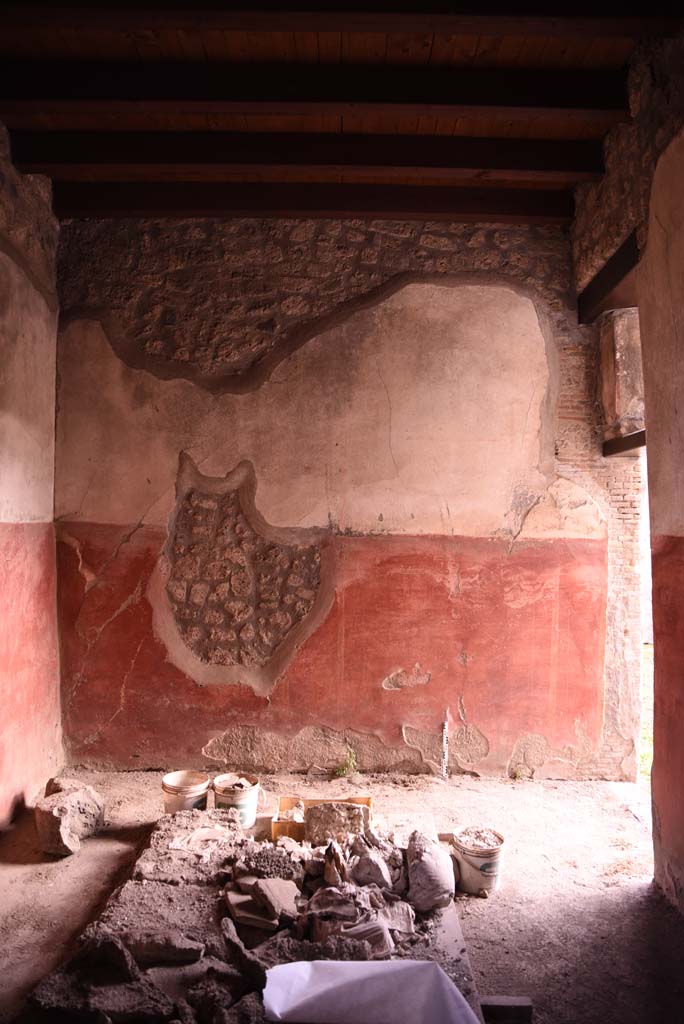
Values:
[(295, 829)]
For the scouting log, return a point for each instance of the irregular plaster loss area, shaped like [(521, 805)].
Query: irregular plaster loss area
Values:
[(577, 924)]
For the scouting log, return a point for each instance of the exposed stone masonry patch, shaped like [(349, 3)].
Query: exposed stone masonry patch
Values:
[(210, 299), (28, 228), (608, 211), (235, 595)]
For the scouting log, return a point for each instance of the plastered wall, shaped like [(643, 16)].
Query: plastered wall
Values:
[(661, 312), (30, 729)]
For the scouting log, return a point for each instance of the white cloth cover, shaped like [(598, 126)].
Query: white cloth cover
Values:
[(363, 992)]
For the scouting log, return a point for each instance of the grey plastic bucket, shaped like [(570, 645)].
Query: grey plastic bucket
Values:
[(479, 866), (185, 791), (244, 800)]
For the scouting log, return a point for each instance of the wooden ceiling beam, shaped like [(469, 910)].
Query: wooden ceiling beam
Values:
[(108, 156), (392, 17), (175, 199), (295, 89)]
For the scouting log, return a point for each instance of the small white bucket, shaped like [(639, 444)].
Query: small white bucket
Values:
[(227, 795), (479, 866), (185, 791)]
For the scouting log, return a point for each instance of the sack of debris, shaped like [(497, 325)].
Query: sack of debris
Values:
[(431, 873)]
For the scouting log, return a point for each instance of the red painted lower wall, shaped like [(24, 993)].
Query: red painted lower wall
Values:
[(668, 765), (518, 638), (30, 733)]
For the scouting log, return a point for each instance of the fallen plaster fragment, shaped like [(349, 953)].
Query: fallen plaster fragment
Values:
[(70, 812)]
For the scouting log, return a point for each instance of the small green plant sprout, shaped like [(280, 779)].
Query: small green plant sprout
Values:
[(348, 766)]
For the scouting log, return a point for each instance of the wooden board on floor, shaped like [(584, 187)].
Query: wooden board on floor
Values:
[(449, 950)]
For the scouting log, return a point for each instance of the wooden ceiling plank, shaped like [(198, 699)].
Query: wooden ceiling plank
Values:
[(306, 47), (174, 117), (295, 85), (347, 18), (38, 152), (453, 50), (416, 176), (329, 47), (109, 199), (407, 48), (364, 47), (510, 51)]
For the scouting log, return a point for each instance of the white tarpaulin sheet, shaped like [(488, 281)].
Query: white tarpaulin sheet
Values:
[(364, 992)]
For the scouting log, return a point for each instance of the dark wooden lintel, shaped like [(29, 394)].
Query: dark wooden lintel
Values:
[(626, 443), (614, 287)]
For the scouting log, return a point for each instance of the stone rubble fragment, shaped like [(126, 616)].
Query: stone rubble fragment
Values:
[(335, 869), (106, 956), (250, 1010), (284, 949), (266, 861), (136, 1001), (195, 847), (61, 996), (370, 868), (247, 962), (163, 947), (373, 931), (294, 813), (333, 820), (246, 910), (278, 896), (195, 910), (69, 813)]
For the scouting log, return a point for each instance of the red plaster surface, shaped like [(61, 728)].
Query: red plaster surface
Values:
[(668, 765), (518, 636), (30, 743)]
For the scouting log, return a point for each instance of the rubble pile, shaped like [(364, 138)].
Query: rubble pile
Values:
[(208, 910)]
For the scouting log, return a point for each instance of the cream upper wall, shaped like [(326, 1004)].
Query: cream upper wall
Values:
[(661, 315), (27, 398), (422, 415)]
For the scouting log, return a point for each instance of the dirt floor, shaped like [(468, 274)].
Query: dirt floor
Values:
[(577, 924)]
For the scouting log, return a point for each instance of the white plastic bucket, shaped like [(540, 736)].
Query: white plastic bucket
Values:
[(226, 795), (185, 791), (479, 866)]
